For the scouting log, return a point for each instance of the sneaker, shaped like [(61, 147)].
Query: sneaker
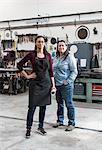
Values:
[(28, 133), (69, 128), (58, 125), (41, 131)]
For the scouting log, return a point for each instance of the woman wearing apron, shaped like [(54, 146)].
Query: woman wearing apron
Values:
[(41, 82)]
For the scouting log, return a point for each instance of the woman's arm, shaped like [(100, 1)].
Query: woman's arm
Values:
[(50, 69), (53, 83), (20, 67), (23, 61), (51, 73), (53, 89), (73, 69)]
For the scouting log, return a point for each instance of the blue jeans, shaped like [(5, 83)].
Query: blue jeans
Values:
[(65, 93), (30, 115)]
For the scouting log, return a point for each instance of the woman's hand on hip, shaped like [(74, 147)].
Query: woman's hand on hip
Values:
[(32, 76)]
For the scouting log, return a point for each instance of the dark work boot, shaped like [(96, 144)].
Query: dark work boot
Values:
[(28, 131), (41, 131)]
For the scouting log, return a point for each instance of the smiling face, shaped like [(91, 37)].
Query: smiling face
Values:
[(62, 47)]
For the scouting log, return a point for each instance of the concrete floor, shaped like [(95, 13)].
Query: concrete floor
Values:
[(86, 136)]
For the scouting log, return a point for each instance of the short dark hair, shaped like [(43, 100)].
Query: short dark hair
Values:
[(60, 41)]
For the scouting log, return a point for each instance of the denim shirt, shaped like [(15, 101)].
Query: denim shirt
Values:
[(64, 69)]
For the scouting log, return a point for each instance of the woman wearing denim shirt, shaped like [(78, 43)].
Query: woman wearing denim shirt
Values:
[(65, 72)]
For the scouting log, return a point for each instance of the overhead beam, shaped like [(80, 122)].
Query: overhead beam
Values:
[(53, 24)]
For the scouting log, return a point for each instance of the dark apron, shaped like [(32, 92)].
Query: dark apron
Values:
[(40, 88)]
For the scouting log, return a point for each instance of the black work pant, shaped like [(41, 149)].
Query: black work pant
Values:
[(30, 115)]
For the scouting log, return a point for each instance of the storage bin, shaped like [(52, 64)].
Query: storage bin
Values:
[(96, 89)]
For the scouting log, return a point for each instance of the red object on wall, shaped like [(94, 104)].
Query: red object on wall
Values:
[(96, 90)]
